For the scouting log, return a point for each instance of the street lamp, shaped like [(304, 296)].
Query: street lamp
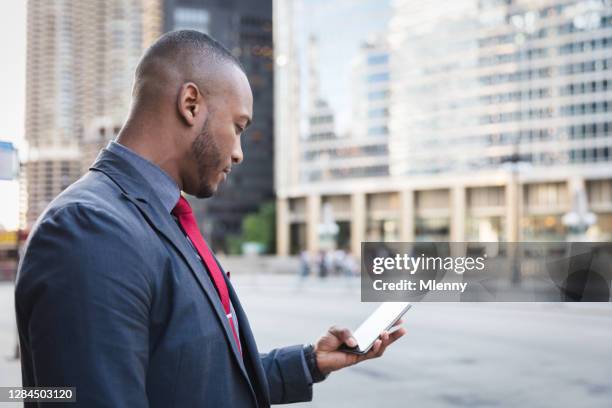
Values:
[(579, 219), (525, 25)]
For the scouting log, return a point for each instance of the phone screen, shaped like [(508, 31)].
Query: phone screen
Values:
[(382, 319)]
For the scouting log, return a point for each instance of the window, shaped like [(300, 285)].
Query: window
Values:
[(378, 130), (191, 18), (378, 113), (376, 95), (378, 59), (380, 77)]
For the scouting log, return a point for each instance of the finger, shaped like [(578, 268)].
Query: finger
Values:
[(396, 326), (344, 335), (390, 338), (395, 334), (375, 349), (372, 353), (381, 344), (400, 321), (384, 337)]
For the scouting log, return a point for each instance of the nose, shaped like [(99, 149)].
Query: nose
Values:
[(237, 155)]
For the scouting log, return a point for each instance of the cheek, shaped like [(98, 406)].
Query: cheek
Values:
[(227, 145)]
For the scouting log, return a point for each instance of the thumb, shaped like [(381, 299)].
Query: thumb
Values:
[(344, 335)]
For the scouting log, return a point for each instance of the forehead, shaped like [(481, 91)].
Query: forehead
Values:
[(237, 91)]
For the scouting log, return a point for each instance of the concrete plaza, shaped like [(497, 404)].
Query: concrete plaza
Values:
[(454, 355)]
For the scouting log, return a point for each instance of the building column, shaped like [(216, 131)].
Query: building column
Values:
[(407, 216), (358, 222), (282, 227), (575, 185), (512, 198), (313, 219), (458, 210)]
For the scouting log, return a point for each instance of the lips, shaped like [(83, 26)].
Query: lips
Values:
[(226, 171)]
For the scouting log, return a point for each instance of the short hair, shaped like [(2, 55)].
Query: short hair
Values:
[(185, 50), (172, 43)]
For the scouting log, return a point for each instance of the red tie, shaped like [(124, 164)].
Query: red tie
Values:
[(185, 216)]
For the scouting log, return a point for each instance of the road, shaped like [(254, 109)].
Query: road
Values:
[(454, 355)]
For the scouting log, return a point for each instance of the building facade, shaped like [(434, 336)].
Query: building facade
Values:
[(498, 124), (80, 62)]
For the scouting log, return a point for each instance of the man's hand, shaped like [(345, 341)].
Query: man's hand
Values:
[(329, 358)]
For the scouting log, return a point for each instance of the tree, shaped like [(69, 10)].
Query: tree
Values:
[(259, 227)]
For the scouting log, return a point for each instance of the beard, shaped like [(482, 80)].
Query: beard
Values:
[(208, 159)]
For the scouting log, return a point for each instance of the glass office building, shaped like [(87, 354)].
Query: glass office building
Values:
[(498, 125)]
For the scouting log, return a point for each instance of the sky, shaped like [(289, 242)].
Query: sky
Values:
[(12, 97), (341, 26)]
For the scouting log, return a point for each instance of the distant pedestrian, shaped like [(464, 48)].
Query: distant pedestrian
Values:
[(324, 264), (304, 264), (350, 265)]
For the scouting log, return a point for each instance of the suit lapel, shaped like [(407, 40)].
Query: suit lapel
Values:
[(249, 345), (171, 231), (127, 178)]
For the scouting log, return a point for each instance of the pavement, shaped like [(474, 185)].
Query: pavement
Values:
[(454, 355)]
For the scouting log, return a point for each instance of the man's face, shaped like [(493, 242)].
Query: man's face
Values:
[(217, 148)]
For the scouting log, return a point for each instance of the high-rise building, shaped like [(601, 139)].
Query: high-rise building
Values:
[(518, 78), (245, 28), (321, 125), (370, 108), (80, 60), (498, 126), (523, 85), (362, 150)]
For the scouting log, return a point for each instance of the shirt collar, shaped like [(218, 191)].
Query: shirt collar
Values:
[(164, 186)]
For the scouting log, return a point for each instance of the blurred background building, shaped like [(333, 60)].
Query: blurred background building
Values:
[(81, 59), (80, 63), (494, 116), (462, 120)]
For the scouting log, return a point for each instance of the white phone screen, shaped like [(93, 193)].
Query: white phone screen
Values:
[(380, 320)]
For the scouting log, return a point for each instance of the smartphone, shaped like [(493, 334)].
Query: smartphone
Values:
[(383, 318)]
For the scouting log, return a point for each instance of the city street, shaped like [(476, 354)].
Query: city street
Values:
[(462, 148), (454, 355)]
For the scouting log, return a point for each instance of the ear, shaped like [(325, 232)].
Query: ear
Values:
[(190, 103)]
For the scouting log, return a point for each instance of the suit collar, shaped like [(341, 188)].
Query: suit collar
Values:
[(125, 176), (164, 186)]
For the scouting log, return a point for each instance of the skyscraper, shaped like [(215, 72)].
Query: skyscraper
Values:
[(370, 106), (80, 60), (508, 85), (498, 124)]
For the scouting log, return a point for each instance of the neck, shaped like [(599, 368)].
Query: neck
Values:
[(151, 141)]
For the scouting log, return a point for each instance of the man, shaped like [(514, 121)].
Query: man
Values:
[(118, 294)]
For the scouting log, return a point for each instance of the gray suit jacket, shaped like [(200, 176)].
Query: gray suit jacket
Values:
[(109, 301)]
